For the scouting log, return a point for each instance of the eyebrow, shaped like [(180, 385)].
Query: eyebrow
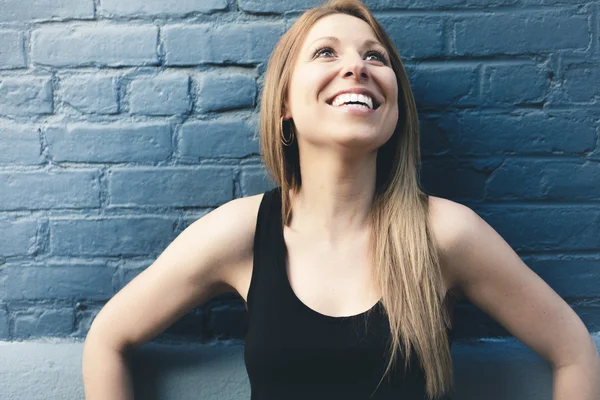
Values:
[(335, 39)]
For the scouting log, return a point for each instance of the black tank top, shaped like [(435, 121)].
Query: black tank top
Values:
[(293, 352)]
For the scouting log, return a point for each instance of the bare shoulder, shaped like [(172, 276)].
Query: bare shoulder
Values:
[(449, 221)]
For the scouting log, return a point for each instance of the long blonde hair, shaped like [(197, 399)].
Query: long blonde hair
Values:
[(405, 255)]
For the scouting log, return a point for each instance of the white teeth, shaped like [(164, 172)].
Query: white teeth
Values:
[(346, 97)]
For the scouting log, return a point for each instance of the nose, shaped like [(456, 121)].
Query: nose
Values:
[(355, 66)]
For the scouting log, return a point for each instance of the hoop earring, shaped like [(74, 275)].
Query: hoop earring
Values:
[(287, 142)]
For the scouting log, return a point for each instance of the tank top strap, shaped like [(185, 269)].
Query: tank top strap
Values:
[(265, 276)]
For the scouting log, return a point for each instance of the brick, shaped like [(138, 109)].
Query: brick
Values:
[(25, 95), (548, 2), (218, 91), (276, 6), (254, 180), (43, 10), (93, 282), (454, 180), (12, 53), (125, 236), (535, 132), (123, 142), (415, 36), (490, 3), (520, 33), (18, 237), (43, 322), (20, 144), (233, 43), (437, 85), (547, 227), (49, 189), (217, 139), (569, 276), (166, 94), (90, 93), (170, 186), (4, 332), (385, 5), (158, 7), (110, 46), (559, 180), (582, 81), (438, 134), (514, 84)]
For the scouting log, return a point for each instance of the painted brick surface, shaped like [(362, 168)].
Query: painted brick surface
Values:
[(123, 142), (123, 122), (416, 36), (158, 7), (200, 44), (90, 93), (529, 132), (45, 10), (114, 236), (522, 32), (177, 187), (444, 84), (40, 322), (32, 190), (514, 84), (4, 331), (25, 95), (110, 45), (221, 91), (58, 281), (582, 81), (20, 144), (214, 139), (543, 178), (167, 94), (22, 238), (12, 53)]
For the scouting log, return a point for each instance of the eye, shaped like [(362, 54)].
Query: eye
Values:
[(322, 50), (379, 54), (328, 50)]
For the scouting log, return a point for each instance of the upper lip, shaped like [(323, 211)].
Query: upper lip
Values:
[(366, 92)]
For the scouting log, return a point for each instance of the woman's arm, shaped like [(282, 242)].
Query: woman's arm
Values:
[(580, 380), (105, 372), (491, 275), (198, 265)]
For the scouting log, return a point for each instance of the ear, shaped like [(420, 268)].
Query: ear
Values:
[(285, 110)]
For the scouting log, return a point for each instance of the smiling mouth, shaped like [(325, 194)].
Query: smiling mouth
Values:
[(375, 104)]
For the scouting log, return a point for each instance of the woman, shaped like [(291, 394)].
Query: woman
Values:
[(348, 268)]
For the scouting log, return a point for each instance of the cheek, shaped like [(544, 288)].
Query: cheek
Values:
[(307, 83), (392, 84)]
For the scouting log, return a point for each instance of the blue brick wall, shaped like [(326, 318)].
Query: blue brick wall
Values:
[(122, 122)]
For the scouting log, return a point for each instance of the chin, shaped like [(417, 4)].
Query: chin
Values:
[(361, 140)]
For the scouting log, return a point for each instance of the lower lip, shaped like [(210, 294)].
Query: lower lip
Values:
[(355, 110)]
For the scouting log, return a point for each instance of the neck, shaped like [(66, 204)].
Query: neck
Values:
[(335, 198)]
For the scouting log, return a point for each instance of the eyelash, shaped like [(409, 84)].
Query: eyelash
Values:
[(380, 54)]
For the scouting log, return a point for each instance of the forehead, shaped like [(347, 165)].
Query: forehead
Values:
[(345, 27)]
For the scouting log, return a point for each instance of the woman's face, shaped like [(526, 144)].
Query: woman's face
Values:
[(326, 66)]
